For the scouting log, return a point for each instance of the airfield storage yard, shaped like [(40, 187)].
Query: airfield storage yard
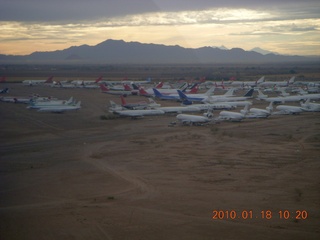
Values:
[(77, 176)]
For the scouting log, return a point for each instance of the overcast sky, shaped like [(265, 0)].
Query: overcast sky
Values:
[(288, 27)]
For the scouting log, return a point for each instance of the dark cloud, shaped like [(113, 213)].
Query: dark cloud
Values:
[(77, 10)]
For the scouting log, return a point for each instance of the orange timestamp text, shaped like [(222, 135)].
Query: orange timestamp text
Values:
[(264, 214)]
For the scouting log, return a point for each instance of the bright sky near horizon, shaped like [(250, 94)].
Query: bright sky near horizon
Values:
[(287, 26)]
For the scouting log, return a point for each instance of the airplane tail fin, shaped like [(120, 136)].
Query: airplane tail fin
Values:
[(261, 95), (184, 86), (153, 103), (230, 92), (142, 92), (194, 89), (98, 79), (69, 101), (157, 93), (78, 104), (134, 86), (159, 85), (270, 107), (123, 101), (151, 100), (249, 93), (6, 90), (103, 88), (245, 109), (283, 92), (202, 80), (260, 80), (210, 91), (49, 80), (127, 87), (184, 98), (291, 80)]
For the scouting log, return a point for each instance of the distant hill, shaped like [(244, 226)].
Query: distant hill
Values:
[(263, 51), (121, 52)]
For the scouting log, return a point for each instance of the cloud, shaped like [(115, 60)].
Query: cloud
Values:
[(84, 10)]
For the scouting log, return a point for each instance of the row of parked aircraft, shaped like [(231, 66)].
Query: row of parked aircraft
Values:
[(155, 109)]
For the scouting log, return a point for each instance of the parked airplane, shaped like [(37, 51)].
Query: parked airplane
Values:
[(150, 91), (189, 98), (257, 112), (86, 82), (179, 109), (293, 98), (35, 82), (126, 81), (277, 83), (233, 116), (5, 90), (60, 109), (153, 104), (50, 103), (247, 83), (138, 113), (15, 99), (105, 89), (188, 119), (286, 109), (159, 95), (310, 107), (192, 94), (222, 98), (132, 106), (261, 95)]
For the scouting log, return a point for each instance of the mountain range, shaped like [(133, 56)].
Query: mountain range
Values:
[(121, 52)]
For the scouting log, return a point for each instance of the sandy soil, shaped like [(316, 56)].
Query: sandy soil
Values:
[(75, 176)]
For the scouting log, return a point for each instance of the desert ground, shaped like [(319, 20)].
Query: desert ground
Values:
[(77, 176)]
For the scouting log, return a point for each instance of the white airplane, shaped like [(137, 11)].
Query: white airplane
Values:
[(310, 107), (153, 104), (293, 98), (105, 89), (35, 82), (247, 83), (148, 80), (138, 113), (133, 106), (287, 109), (191, 95), (277, 83), (261, 95), (50, 103), (257, 112), (5, 90), (15, 99), (233, 116), (189, 98), (188, 119), (180, 109), (150, 91), (86, 82), (60, 109), (222, 98)]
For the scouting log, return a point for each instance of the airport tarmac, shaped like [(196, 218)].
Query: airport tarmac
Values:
[(76, 176)]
